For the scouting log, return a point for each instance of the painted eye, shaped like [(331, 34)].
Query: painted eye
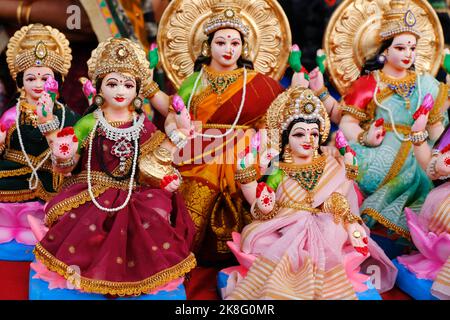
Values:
[(129, 86), (235, 44), (299, 135), (111, 84)]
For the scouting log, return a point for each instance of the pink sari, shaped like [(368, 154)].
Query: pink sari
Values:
[(301, 255)]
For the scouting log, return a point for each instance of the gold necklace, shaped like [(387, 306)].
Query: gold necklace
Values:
[(404, 87), (220, 81), (28, 114), (306, 175)]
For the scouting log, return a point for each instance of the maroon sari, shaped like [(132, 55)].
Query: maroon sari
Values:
[(133, 251)]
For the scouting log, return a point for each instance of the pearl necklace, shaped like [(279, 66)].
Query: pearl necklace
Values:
[(34, 178), (133, 167), (241, 107), (391, 118)]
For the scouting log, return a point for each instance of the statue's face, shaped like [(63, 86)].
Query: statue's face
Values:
[(402, 52), (226, 47), (118, 89), (34, 79), (303, 139)]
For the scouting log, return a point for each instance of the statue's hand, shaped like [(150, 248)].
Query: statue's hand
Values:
[(376, 133), (265, 198), (316, 82), (358, 238), (442, 166), (170, 182)]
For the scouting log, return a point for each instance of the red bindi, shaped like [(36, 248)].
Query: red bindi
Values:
[(228, 36)]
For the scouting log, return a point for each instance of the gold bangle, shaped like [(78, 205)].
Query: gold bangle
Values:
[(151, 90), (19, 13), (323, 94), (361, 138), (351, 171), (246, 175), (418, 137), (266, 216)]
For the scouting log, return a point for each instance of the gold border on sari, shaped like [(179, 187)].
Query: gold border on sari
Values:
[(385, 222), (110, 287)]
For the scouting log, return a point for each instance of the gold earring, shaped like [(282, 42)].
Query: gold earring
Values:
[(287, 156), (245, 52), (206, 50), (316, 152)]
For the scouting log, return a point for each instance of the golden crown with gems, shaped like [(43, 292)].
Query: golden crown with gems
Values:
[(119, 55), (37, 45), (226, 14), (397, 20), (295, 103)]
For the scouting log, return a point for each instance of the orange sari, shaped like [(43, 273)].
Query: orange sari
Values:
[(214, 201)]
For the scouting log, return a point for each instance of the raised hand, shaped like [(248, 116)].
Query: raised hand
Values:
[(88, 89), (265, 198), (44, 106), (64, 147), (345, 149), (442, 166), (422, 113), (170, 182), (376, 133), (316, 81), (178, 123), (358, 238)]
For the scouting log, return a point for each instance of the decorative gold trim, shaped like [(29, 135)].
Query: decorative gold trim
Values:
[(266, 216), (385, 222), (223, 126), (151, 144), (110, 287), (354, 111), (371, 107), (17, 156), (73, 202), (97, 178), (401, 128), (398, 163), (298, 206), (14, 173)]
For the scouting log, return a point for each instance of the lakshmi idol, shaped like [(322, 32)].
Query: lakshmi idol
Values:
[(220, 54), (379, 105), (35, 54), (307, 240), (118, 218)]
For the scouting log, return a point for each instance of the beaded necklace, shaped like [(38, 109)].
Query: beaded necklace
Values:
[(306, 175)]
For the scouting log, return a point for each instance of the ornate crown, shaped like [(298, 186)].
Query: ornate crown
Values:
[(398, 19), (119, 55), (225, 14), (295, 103), (36, 45)]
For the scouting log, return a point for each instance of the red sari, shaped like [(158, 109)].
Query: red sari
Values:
[(130, 252)]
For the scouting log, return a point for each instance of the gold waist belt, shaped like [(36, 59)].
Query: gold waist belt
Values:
[(17, 156), (403, 129), (298, 206), (223, 126), (97, 178)]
